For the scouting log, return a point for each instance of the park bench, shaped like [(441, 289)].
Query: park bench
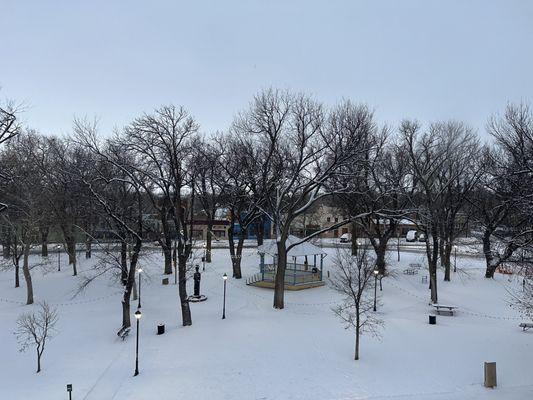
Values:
[(415, 266), (444, 310), (123, 332), (526, 325)]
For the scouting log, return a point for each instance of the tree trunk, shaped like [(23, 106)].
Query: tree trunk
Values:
[(489, 258), (355, 246), (237, 267), (71, 251), (260, 230), (446, 256), (182, 288), (126, 321), (38, 360), (166, 243), (357, 334), (279, 282), (380, 250), (27, 275), (124, 263), (433, 255), (167, 252), (6, 245), (16, 261), (88, 246), (17, 271), (135, 294), (209, 240), (44, 241)]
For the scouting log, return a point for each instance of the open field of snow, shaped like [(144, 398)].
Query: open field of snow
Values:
[(257, 352)]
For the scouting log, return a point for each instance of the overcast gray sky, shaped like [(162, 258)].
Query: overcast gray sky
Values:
[(422, 59)]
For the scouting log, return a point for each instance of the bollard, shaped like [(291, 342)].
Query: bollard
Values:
[(490, 375), (160, 329), (165, 281), (432, 319)]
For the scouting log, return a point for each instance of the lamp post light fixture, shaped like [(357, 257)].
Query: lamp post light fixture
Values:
[(225, 278), (138, 315), (58, 247), (455, 259), (139, 303), (376, 272)]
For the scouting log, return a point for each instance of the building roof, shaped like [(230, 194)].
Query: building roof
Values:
[(303, 249)]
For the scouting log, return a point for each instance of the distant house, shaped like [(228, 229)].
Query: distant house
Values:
[(318, 218), (219, 228), (253, 228)]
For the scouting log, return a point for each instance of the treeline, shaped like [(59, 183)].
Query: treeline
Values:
[(282, 155)]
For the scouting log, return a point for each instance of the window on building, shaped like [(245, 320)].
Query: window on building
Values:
[(329, 219)]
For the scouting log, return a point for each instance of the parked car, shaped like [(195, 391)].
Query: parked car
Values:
[(411, 236), (346, 237), (422, 238)]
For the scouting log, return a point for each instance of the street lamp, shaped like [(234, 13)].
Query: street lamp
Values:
[(138, 315), (58, 247), (225, 278), (139, 303), (376, 272), (455, 259)]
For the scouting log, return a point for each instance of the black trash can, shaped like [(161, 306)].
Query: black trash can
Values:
[(432, 319), (160, 329)]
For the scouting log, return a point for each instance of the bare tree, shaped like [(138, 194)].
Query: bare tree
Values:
[(240, 177), (23, 194), (36, 328), (9, 128), (116, 187), (211, 184), (440, 160), (354, 279), (302, 150), (504, 196), (380, 193), (163, 143)]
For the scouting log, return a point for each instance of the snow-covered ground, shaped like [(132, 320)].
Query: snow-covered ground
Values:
[(301, 352)]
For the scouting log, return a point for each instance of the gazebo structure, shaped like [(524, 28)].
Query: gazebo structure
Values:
[(305, 263)]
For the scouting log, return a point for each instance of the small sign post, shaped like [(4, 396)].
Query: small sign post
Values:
[(69, 390)]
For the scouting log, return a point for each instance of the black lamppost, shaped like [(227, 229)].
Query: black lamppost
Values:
[(58, 257), (138, 318), (205, 255), (455, 259), (225, 278), (376, 272), (139, 303)]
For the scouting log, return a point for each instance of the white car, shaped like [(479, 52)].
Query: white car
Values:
[(411, 236), (346, 237)]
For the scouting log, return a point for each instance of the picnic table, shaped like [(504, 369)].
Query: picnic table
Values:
[(442, 309), (526, 325), (410, 271)]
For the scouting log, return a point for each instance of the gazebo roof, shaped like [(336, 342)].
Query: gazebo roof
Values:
[(303, 249)]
